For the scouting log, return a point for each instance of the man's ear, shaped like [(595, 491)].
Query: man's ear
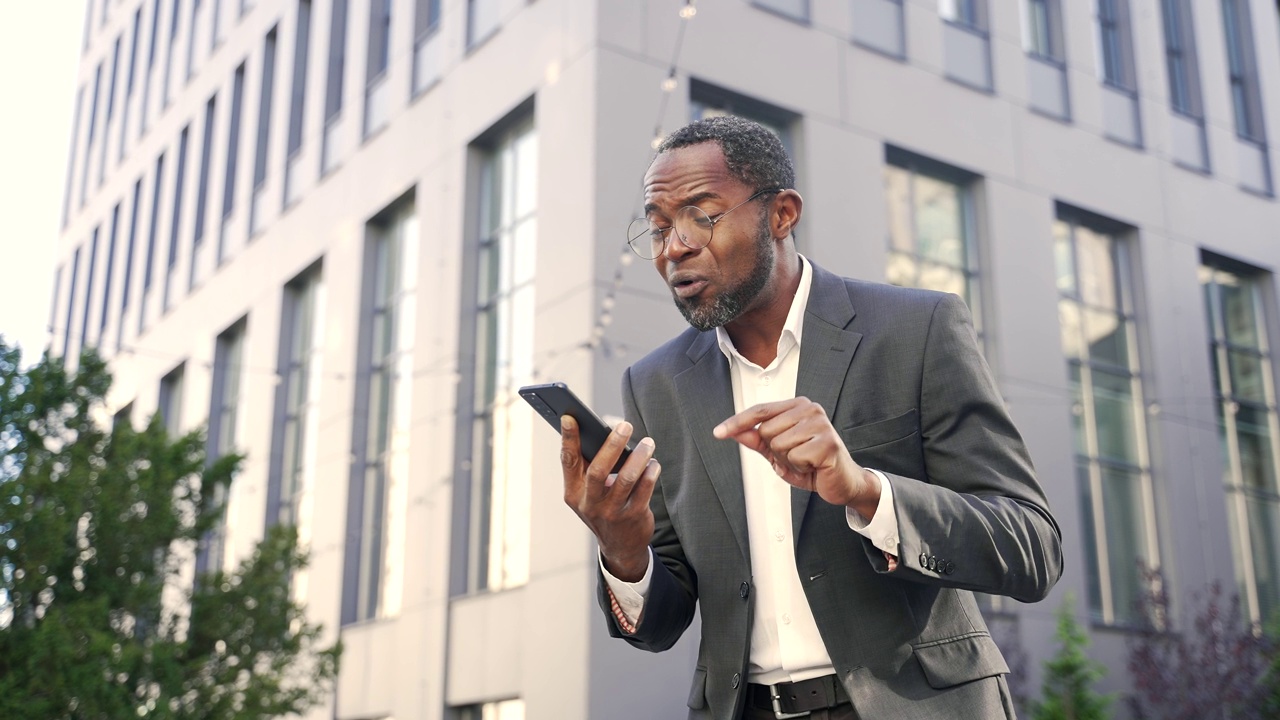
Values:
[(787, 207)]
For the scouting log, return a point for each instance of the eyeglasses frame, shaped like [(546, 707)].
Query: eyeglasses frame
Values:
[(667, 231)]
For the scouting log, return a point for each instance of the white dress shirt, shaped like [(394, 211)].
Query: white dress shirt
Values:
[(785, 644)]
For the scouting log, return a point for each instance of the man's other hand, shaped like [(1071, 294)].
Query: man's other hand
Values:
[(614, 507), (797, 439)]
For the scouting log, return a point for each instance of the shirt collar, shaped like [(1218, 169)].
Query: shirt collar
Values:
[(791, 329)]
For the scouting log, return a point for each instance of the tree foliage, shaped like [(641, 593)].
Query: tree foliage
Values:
[(96, 525), (1217, 666), (1069, 676)]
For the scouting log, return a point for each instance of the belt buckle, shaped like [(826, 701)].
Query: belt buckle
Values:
[(774, 696)]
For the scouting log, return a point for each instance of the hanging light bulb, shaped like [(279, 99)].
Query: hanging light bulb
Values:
[(688, 10)]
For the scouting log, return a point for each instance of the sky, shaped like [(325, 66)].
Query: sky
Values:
[(39, 58)]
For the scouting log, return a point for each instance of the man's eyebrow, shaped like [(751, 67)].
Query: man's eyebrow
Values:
[(694, 199)]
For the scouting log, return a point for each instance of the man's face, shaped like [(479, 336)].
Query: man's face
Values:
[(713, 285)]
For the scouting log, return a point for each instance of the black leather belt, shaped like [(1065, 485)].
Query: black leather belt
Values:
[(797, 699)]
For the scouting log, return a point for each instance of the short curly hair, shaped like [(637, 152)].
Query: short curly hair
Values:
[(753, 153)]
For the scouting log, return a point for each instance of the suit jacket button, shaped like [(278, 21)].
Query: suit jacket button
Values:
[(737, 680), (950, 568), (744, 590), (933, 563), (924, 560)]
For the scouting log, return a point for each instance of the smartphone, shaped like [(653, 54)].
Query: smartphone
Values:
[(553, 400)]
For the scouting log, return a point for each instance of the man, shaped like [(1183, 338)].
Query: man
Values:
[(876, 478)]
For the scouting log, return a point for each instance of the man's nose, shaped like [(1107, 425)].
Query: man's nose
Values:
[(676, 250)]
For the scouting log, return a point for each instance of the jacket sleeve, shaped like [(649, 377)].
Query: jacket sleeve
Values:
[(672, 596), (979, 520)]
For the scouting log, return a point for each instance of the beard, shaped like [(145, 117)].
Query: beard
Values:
[(708, 313)]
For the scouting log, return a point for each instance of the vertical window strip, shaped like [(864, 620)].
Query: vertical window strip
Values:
[(394, 258), (1044, 23), (151, 64), (71, 157), (152, 233), (1241, 64), (129, 82), (89, 134), (299, 371), (264, 109), (126, 286), (170, 405), (224, 415), (88, 289), (110, 110), (233, 155), (175, 226), (1249, 431), (298, 96), (111, 266), (1112, 461), (337, 61), (505, 333), (168, 64), (932, 234), (71, 304), (202, 188)]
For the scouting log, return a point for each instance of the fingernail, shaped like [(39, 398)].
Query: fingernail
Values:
[(648, 442), (624, 427), (609, 481), (566, 422), (719, 431)]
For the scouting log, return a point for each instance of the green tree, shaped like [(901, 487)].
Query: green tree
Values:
[(96, 524), (1070, 675)]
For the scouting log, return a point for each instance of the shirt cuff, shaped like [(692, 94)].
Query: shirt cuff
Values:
[(882, 528), (629, 595)]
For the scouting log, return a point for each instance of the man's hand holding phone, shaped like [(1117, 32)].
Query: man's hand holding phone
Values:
[(614, 506)]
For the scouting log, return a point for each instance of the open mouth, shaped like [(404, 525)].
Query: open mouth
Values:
[(688, 287)]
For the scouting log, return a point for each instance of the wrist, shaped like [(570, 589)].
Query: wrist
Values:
[(627, 568), (867, 502)]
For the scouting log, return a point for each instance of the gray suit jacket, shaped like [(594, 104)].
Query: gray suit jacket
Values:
[(899, 373)]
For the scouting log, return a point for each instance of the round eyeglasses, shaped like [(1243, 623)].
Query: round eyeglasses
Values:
[(691, 224)]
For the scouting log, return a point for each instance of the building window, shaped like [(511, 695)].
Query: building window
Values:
[(1246, 99), (878, 25), (297, 395), (112, 235), (482, 21), (88, 289), (1120, 84), (168, 62), (329, 151), (151, 66), (932, 227), (428, 60), (127, 285), (192, 38), (264, 133), (170, 404), (966, 46), (1044, 29), (501, 437), (1180, 58), (224, 424), (706, 100), (129, 82), (297, 102), (71, 304), (89, 135), (1099, 338), (1244, 382), (376, 95), (202, 191), (154, 229), (1188, 143), (1046, 58), (379, 485), (233, 162), (175, 226), (110, 112), (71, 157), (502, 710)]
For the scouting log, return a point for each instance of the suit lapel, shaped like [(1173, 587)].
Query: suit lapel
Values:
[(708, 393), (826, 351)]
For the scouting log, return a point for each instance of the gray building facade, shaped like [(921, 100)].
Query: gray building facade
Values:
[(343, 232)]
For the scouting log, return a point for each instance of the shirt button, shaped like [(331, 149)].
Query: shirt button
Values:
[(786, 618), (764, 380), (779, 536), (891, 542)]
